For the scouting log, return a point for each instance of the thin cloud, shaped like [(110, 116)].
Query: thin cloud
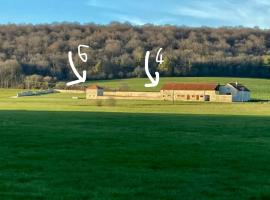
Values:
[(245, 13), (96, 3), (261, 2), (221, 13)]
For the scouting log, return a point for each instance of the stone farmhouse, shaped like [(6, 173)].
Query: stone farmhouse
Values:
[(231, 92)]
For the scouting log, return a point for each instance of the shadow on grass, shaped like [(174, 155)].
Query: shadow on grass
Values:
[(260, 100), (84, 155)]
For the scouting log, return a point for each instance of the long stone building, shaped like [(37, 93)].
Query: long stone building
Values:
[(231, 92)]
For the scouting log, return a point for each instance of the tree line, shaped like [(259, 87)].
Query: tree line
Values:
[(36, 55)]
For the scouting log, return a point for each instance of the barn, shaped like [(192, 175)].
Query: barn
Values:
[(231, 92), (193, 92)]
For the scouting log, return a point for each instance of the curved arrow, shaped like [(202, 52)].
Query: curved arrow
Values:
[(154, 82), (81, 79)]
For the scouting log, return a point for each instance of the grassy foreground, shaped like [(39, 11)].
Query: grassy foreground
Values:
[(57, 147), (82, 155)]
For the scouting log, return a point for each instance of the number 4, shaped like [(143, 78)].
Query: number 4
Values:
[(159, 58)]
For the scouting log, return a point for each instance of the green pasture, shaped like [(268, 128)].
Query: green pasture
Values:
[(59, 147), (88, 155)]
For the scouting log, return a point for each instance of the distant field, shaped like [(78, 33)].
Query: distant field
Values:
[(260, 87), (64, 102), (57, 147)]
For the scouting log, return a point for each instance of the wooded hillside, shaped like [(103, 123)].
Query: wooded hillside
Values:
[(31, 56)]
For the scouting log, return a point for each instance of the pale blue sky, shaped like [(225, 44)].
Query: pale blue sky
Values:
[(214, 13)]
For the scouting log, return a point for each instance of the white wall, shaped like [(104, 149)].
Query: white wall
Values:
[(237, 96)]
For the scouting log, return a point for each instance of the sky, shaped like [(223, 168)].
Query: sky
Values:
[(212, 13)]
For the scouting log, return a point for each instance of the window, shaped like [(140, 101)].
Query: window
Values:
[(207, 97)]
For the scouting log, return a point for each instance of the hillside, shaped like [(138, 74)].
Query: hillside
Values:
[(34, 54)]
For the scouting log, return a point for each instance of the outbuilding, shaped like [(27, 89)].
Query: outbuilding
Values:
[(239, 92), (93, 91)]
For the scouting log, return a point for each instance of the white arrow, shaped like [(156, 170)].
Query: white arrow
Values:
[(81, 79), (154, 82)]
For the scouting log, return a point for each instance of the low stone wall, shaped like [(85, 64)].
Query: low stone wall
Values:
[(133, 95), (163, 96), (224, 98), (71, 91), (126, 98)]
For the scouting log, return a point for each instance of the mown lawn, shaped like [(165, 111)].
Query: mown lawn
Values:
[(83, 155)]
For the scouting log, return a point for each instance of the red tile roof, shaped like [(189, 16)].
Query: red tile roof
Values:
[(93, 87), (189, 86)]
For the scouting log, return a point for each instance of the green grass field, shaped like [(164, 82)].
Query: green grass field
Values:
[(56, 147)]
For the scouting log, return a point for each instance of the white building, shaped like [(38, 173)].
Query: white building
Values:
[(238, 91)]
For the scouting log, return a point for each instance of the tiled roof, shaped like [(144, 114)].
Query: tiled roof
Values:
[(93, 87), (189, 86)]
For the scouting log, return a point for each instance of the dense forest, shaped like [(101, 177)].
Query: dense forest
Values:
[(37, 55)]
